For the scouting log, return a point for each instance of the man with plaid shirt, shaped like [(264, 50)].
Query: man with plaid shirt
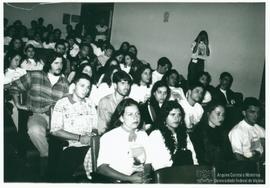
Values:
[(43, 89)]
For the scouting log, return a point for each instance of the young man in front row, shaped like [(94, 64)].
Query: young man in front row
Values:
[(73, 119), (247, 137)]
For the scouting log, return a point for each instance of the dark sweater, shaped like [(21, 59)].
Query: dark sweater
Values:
[(212, 145)]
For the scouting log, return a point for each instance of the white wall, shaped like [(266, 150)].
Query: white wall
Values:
[(236, 35), (52, 13)]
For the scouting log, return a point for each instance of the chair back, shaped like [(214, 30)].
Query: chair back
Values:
[(94, 152)]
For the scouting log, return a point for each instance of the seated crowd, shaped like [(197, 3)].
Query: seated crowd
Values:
[(77, 88)]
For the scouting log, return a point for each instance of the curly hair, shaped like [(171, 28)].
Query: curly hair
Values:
[(180, 131)]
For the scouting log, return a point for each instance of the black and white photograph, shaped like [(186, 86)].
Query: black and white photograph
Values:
[(130, 92)]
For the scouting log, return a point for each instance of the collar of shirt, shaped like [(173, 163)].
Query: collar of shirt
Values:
[(70, 98)]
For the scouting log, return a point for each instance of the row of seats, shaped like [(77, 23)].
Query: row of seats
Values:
[(231, 172)]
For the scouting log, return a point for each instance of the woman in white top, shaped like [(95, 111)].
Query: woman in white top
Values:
[(13, 72), (170, 144), (128, 61), (172, 78), (31, 63), (106, 87), (141, 89), (12, 69), (124, 150), (73, 46)]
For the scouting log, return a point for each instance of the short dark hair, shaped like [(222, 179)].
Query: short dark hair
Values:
[(50, 60), (60, 42), (250, 101), (169, 73), (164, 61), (121, 75), (82, 76), (85, 45), (71, 36), (57, 30), (91, 51), (109, 46), (117, 53), (194, 85), (203, 73), (224, 74), (131, 55)]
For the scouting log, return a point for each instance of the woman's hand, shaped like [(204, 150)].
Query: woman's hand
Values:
[(139, 177)]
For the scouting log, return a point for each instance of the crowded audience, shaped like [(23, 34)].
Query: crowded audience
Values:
[(147, 119)]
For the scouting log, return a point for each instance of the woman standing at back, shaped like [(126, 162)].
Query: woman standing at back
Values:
[(200, 52)]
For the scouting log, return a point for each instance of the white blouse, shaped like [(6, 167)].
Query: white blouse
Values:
[(32, 65), (160, 154), (140, 93), (13, 74)]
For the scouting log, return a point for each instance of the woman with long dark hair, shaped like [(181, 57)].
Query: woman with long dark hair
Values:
[(102, 70), (172, 78), (106, 86), (151, 109), (141, 89), (169, 142), (124, 46), (200, 52), (31, 62), (16, 44)]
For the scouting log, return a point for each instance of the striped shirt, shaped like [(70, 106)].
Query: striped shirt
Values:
[(40, 92)]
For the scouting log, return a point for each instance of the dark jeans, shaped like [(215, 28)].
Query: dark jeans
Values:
[(71, 159), (194, 69)]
